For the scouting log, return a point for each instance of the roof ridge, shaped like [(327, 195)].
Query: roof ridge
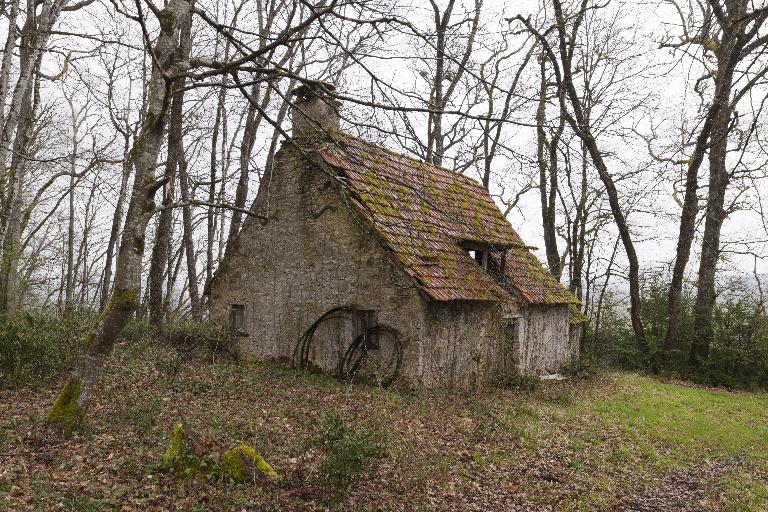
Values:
[(407, 157)]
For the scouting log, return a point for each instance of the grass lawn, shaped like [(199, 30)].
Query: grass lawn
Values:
[(615, 442)]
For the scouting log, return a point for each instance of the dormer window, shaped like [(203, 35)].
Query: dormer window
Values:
[(489, 257)]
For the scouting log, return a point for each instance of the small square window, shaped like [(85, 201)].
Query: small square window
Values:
[(237, 319)]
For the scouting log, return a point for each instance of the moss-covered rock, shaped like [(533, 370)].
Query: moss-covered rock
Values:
[(65, 411), (180, 456), (243, 463)]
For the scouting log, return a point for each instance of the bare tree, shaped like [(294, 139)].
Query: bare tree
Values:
[(547, 157), (730, 37), (77, 392), (560, 55)]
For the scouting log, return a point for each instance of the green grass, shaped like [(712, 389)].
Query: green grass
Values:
[(628, 437), (690, 419), (743, 492)]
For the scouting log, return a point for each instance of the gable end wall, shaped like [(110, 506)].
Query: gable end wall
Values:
[(313, 254)]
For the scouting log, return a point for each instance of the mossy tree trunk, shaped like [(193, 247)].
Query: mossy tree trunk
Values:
[(76, 395)]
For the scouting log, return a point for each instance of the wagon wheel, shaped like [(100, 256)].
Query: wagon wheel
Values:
[(304, 345), (375, 356)]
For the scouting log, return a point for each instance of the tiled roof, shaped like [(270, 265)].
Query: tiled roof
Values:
[(424, 213)]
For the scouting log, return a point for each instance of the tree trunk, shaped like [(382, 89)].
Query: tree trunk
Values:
[(252, 122), (579, 232), (33, 43), (719, 179), (70, 279), (117, 221), (175, 133), (547, 162), (5, 80), (580, 125), (727, 54), (159, 258), (72, 403), (690, 208), (162, 246), (9, 282), (211, 217), (189, 243), (12, 208)]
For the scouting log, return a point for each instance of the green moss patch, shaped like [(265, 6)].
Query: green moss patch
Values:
[(65, 411), (181, 457), (244, 463), (185, 456)]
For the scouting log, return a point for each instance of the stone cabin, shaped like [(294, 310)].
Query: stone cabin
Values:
[(371, 264)]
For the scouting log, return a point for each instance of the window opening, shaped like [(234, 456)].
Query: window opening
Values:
[(237, 318), (493, 259), (481, 257)]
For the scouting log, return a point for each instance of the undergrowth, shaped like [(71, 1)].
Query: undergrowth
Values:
[(348, 450), (37, 346), (738, 355)]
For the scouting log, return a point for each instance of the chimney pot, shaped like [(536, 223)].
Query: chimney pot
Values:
[(315, 112)]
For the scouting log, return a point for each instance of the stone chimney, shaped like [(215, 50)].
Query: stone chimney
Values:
[(315, 112)]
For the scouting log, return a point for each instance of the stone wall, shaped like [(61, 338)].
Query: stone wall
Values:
[(464, 345), (545, 342)]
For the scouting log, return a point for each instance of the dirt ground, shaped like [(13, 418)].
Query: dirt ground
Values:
[(612, 442)]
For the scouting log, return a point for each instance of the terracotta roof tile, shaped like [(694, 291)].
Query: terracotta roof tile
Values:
[(423, 213)]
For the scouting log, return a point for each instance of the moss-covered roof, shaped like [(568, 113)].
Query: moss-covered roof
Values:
[(427, 214)]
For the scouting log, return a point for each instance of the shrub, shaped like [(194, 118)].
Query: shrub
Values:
[(738, 356), (190, 336), (136, 331), (348, 450), (581, 368), (38, 346), (515, 379)]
